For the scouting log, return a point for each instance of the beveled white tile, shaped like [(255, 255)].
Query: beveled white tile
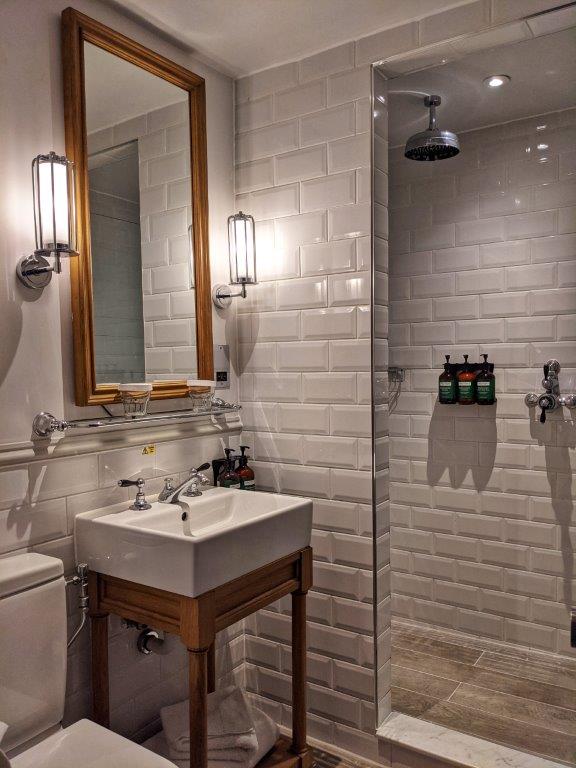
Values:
[(332, 323), (309, 292), (305, 481), (271, 202), (308, 163), (274, 326), (302, 356), (455, 22), (350, 153), (300, 100), (349, 86), (346, 290), (264, 142), (349, 221), (254, 114), (257, 357), (276, 387), (330, 451), (329, 387), (325, 63), (556, 248), (293, 231), (328, 125), (328, 191), (324, 258), (268, 81), (350, 420), (29, 524), (278, 448), (304, 419), (387, 43), (531, 225), (353, 355)]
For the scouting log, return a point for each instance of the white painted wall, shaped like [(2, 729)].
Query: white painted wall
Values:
[(36, 371)]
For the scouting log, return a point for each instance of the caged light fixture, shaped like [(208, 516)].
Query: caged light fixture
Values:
[(242, 254), (54, 219)]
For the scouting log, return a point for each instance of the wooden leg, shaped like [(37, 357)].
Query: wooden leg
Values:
[(299, 650), (212, 668), (198, 675), (100, 692)]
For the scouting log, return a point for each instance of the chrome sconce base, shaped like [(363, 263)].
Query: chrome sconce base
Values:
[(35, 271), (222, 295)]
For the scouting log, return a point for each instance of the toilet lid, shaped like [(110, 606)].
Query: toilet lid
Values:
[(87, 745)]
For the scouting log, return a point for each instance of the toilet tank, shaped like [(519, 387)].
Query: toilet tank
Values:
[(33, 638)]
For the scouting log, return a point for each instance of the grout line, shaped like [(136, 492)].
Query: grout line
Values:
[(478, 659), (454, 691)]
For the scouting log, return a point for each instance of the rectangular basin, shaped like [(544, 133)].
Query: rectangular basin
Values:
[(196, 545)]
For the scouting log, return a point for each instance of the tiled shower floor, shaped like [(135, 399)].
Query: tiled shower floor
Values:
[(522, 699)]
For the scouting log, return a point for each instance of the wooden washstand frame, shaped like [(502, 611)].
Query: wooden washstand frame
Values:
[(196, 620)]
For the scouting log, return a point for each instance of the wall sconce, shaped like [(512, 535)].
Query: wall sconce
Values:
[(54, 219), (242, 253)]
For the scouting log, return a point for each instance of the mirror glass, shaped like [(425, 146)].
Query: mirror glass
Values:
[(138, 142)]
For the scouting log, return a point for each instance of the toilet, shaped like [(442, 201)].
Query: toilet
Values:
[(33, 653)]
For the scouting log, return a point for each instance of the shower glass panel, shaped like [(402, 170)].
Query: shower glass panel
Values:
[(475, 253)]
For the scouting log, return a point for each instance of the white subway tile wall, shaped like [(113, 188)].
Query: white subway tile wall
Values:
[(304, 163), (482, 497)]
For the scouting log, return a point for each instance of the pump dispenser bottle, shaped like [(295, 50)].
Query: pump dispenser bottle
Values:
[(246, 473), (485, 385), (228, 478), (466, 384), (447, 385)]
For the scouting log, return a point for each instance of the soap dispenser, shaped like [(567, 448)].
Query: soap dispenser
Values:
[(447, 385), (228, 477), (466, 384), (246, 473), (485, 384)]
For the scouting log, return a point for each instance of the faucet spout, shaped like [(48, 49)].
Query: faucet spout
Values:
[(171, 495)]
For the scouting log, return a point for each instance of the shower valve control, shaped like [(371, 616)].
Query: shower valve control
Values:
[(551, 399)]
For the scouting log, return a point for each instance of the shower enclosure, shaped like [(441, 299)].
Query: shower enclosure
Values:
[(474, 252)]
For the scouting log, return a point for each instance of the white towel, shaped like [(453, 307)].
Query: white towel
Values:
[(266, 734), (4, 762), (230, 724)]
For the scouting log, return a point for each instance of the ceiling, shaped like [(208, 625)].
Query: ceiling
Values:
[(542, 72), (245, 36), (117, 90)]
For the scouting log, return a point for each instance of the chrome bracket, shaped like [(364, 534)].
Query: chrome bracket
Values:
[(45, 424), (222, 295)]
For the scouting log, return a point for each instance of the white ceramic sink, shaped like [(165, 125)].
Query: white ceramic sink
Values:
[(225, 534)]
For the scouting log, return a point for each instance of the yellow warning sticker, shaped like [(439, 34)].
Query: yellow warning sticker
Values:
[(148, 450)]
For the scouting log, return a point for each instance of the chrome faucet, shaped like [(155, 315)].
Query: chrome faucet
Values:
[(189, 487), (140, 502), (551, 399)]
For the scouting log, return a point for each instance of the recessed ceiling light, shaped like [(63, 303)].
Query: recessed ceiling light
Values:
[(496, 81)]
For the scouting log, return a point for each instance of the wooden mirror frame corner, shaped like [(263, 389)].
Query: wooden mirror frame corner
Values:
[(76, 30)]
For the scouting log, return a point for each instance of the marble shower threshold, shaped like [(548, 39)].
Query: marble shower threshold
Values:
[(453, 747)]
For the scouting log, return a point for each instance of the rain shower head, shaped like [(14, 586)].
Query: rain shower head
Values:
[(432, 144)]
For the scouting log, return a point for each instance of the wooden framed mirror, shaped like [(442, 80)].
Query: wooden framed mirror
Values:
[(136, 132)]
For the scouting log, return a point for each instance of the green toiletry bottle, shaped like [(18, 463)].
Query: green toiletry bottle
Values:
[(447, 385), (485, 385), (228, 478)]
